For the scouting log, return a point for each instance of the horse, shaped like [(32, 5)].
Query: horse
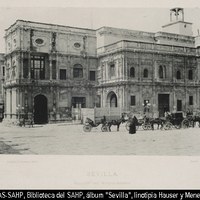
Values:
[(194, 119), (116, 122), (158, 121)]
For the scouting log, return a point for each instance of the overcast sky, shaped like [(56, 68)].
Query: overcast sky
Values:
[(90, 16)]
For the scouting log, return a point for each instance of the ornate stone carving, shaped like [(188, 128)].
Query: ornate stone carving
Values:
[(53, 42)]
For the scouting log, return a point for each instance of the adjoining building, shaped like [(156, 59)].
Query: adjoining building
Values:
[(52, 69), (150, 72), (49, 69)]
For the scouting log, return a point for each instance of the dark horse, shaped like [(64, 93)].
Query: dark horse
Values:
[(193, 120), (158, 121), (152, 121), (116, 122)]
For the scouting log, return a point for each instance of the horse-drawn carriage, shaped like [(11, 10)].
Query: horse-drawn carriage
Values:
[(106, 118), (191, 120), (171, 120), (141, 122), (89, 124), (168, 122), (174, 120)]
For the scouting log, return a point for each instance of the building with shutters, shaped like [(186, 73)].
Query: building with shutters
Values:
[(52, 69)]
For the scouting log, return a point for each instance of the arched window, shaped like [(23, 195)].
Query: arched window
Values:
[(145, 74), (161, 72), (132, 72), (78, 71), (164, 72), (190, 74), (113, 100), (178, 75)]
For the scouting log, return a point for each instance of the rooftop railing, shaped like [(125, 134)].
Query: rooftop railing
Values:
[(136, 45)]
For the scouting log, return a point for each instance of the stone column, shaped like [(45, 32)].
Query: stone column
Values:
[(50, 68), (29, 65), (10, 103), (57, 68), (20, 68)]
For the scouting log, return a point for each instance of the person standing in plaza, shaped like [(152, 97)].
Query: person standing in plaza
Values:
[(133, 123)]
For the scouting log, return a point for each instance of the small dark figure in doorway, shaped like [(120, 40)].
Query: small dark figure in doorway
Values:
[(133, 124)]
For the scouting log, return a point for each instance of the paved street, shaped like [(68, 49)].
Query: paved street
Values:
[(62, 139)]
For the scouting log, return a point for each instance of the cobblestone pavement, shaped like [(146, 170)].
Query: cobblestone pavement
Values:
[(63, 139)]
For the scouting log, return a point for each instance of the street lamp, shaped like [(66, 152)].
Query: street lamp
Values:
[(146, 106)]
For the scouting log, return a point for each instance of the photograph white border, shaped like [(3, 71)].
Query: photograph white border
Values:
[(99, 172)]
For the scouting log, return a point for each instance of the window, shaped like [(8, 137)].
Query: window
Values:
[(164, 72), (39, 41), (179, 105), (92, 76), (63, 74), (53, 69), (37, 67), (161, 72), (178, 75), (78, 71), (190, 74), (190, 100), (77, 45), (132, 100), (112, 70), (25, 68), (132, 72), (78, 102), (145, 74)]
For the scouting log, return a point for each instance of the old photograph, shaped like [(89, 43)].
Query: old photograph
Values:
[(100, 81), (85, 89)]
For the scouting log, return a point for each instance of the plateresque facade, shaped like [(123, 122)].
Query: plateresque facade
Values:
[(51, 69)]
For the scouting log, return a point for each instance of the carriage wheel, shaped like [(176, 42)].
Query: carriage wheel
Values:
[(185, 123), (149, 127), (127, 126), (104, 128), (146, 126), (87, 128), (168, 126)]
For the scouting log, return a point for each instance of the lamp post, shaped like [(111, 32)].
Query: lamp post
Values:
[(146, 106), (20, 110)]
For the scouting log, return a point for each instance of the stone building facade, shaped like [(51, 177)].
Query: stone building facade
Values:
[(150, 72), (2, 76), (51, 69)]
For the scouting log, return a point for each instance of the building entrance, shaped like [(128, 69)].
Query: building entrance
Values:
[(163, 104), (40, 109), (112, 99)]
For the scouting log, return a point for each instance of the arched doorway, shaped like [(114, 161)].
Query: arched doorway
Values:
[(112, 99), (40, 109)]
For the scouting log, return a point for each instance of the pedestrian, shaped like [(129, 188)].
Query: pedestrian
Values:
[(132, 127)]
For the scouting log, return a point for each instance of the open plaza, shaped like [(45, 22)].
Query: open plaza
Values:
[(70, 139)]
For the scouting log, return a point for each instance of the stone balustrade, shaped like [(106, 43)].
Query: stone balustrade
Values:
[(142, 46)]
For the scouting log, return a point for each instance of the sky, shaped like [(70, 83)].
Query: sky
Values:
[(145, 17)]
